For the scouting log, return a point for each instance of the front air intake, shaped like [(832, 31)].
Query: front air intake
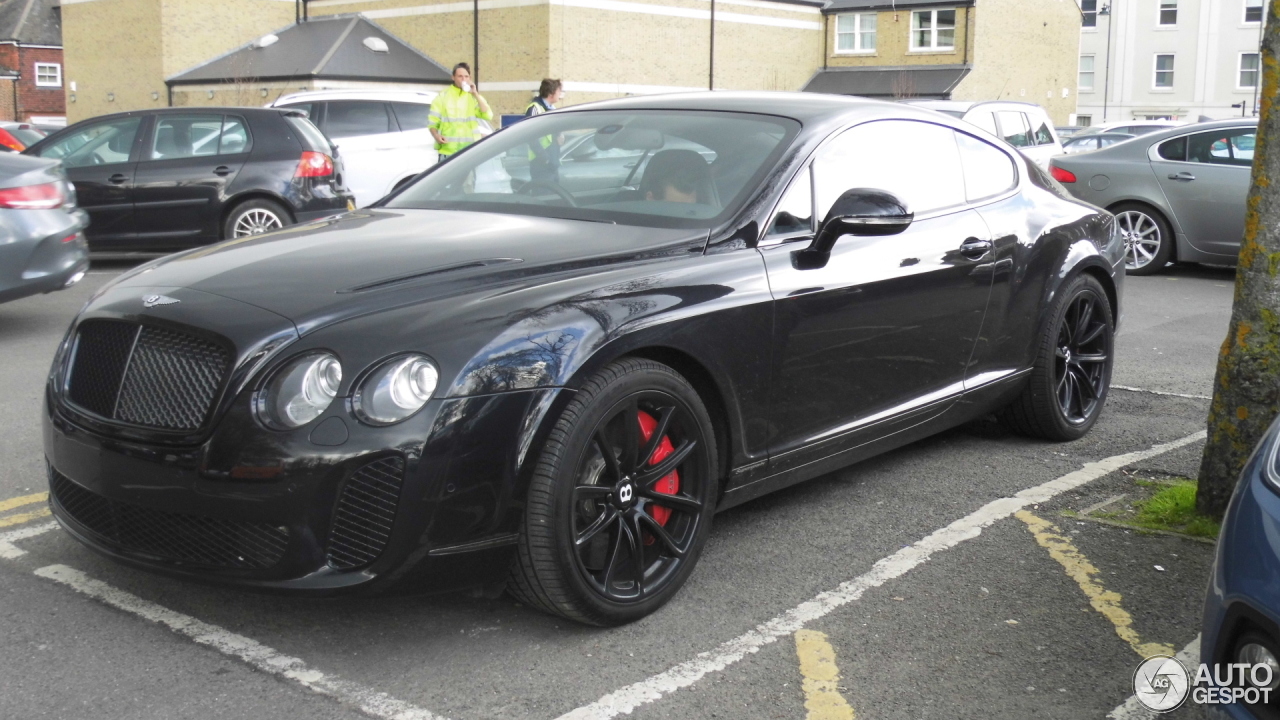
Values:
[(366, 509)]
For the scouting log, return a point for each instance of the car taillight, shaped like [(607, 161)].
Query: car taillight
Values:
[(10, 141), (1062, 176), (314, 164), (33, 197)]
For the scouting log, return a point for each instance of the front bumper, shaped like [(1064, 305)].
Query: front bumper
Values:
[(206, 512)]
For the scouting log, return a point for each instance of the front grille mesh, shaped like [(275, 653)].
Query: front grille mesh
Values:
[(146, 375), (171, 536), (366, 509)]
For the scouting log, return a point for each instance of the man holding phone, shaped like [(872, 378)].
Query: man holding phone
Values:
[(454, 120)]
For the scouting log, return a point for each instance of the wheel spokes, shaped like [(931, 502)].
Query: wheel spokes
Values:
[(683, 503), (659, 532), (650, 475), (659, 432), (603, 521), (631, 436)]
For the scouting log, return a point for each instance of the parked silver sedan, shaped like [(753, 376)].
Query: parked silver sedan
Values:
[(42, 245), (1178, 194)]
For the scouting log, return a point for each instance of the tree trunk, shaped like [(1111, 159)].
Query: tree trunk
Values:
[(1246, 388)]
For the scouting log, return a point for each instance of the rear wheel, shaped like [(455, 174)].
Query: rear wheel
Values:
[(255, 217), (1069, 381), (621, 499), (1148, 239)]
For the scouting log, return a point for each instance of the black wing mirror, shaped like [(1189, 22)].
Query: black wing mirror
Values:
[(860, 211)]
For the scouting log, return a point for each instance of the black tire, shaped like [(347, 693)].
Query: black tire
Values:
[(1072, 372), (589, 516), (1146, 232), (254, 217)]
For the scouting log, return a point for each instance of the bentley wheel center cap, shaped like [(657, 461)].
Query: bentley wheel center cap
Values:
[(625, 494)]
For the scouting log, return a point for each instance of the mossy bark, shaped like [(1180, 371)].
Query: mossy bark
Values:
[(1246, 388)]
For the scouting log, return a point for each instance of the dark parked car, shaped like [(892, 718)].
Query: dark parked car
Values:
[(467, 385), (1242, 608), (164, 180), (42, 246)]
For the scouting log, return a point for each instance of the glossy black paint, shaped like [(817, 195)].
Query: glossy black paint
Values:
[(146, 205), (803, 369)]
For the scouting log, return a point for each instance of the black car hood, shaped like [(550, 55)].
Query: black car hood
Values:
[(378, 259)]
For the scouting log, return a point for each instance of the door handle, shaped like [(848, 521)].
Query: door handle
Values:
[(118, 178), (222, 170), (973, 248), (1183, 176)]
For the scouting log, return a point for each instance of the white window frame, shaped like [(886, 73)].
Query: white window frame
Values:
[(1155, 74), (1262, 6), (57, 71), (1160, 10), (1084, 15), (857, 33), (1084, 120), (1257, 71), (1080, 71), (933, 31)]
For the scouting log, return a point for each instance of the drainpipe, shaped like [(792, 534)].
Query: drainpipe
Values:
[(475, 42)]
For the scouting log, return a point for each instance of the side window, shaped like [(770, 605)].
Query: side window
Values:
[(795, 212), (184, 136), (235, 136), (984, 120), (1043, 135), (306, 107), (1222, 147), (98, 144), (351, 118), (1175, 149), (1014, 128), (917, 161), (987, 170), (411, 116)]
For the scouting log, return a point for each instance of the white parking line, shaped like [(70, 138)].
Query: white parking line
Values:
[(9, 551), (259, 656), (1160, 392), (1133, 709), (629, 698)]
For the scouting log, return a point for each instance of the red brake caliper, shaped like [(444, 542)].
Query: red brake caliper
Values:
[(669, 485)]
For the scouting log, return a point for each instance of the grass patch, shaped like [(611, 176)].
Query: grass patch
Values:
[(1173, 508)]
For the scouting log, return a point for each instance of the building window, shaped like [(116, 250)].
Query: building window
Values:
[(856, 32), (1086, 73), (1168, 12), (1164, 71), (1089, 9), (48, 75), (1253, 11), (1248, 77), (933, 30), (1084, 120)]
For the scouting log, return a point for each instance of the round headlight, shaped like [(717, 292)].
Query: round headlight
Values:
[(300, 391), (395, 390)]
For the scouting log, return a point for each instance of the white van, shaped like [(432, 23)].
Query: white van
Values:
[(381, 135), (1025, 126)]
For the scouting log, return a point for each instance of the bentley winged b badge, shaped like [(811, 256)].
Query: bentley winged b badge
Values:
[(151, 301)]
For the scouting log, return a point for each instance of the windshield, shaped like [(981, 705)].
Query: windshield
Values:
[(682, 169)]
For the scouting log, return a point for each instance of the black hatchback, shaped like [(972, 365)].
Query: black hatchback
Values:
[(170, 179)]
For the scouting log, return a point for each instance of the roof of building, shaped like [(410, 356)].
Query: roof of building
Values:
[(31, 22), (846, 5), (902, 81), (337, 48)]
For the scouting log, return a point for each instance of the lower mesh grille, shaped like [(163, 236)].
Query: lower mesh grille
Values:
[(366, 509), (171, 536)]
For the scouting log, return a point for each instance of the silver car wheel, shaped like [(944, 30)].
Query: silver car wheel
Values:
[(1142, 238), (257, 221)]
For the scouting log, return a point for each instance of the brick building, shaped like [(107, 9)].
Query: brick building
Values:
[(31, 84)]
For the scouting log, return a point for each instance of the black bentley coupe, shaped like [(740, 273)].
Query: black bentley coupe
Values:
[(487, 381)]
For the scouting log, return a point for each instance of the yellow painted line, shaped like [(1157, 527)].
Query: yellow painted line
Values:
[(6, 505), (821, 677), (1078, 567), (24, 517)]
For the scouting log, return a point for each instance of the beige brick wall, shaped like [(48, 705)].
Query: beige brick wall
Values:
[(112, 49), (196, 31), (1025, 50), (893, 42)]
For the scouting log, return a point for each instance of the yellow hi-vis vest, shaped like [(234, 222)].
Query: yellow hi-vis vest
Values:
[(456, 115)]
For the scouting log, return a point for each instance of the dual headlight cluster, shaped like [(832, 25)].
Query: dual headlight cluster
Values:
[(304, 388)]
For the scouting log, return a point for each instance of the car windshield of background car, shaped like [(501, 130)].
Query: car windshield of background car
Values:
[(615, 166)]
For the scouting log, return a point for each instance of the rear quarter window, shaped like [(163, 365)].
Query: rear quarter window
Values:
[(309, 134)]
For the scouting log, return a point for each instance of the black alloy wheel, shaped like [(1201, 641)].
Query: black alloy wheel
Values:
[(1068, 384), (622, 497)]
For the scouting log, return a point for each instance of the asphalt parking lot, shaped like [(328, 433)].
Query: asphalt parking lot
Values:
[(940, 580)]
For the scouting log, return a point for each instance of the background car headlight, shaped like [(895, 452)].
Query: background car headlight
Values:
[(300, 391), (396, 390)]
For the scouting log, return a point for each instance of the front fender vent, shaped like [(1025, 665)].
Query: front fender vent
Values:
[(366, 509)]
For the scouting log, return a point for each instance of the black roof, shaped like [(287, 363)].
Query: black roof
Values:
[(934, 82), (332, 48), (31, 22), (836, 6)]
